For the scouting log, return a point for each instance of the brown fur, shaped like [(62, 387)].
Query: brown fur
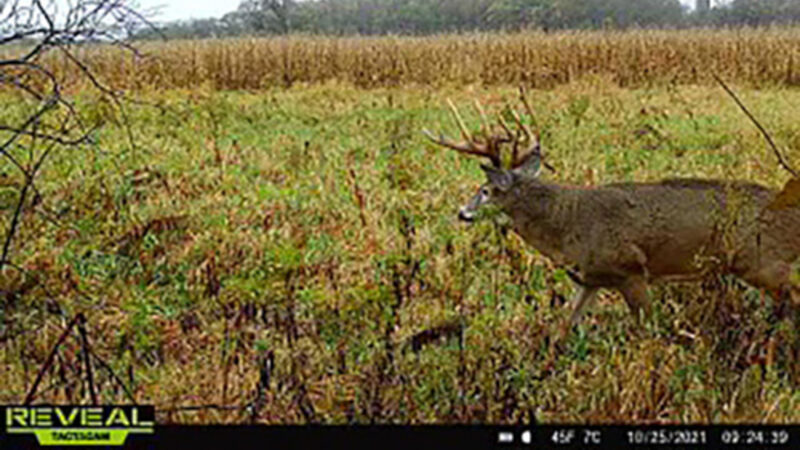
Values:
[(623, 236)]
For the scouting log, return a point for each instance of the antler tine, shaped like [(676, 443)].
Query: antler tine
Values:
[(534, 139), (524, 98), (471, 145), (493, 139), (504, 126), (460, 122), (470, 148), (533, 142), (464, 147), (485, 127), (509, 135), (523, 95)]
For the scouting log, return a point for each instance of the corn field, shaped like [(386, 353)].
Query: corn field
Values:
[(293, 254), (538, 60)]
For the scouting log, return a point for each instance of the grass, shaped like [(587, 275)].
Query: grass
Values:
[(637, 58), (310, 233)]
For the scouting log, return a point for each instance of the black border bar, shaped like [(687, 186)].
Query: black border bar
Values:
[(456, 436)]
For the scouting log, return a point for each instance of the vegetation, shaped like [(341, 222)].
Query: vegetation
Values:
[(257, 230), (760, 57), (425, 17), (305, 240)]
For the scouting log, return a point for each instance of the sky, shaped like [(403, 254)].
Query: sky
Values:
[(189, 9), (201, 9)]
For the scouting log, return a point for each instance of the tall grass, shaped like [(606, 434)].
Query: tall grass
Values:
[(631, 58), (314, 228)]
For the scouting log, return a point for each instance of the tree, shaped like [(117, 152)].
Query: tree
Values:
[(45, 120), (762, 12), (268, 16), (617, 13), (521, 13), (415, 17)]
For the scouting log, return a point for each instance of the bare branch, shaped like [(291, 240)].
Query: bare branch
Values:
[(36, 28), (781, 160), (32, 392), (50, 137)]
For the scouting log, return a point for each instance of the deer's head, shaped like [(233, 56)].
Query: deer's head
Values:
[(499, 184), (525, 163)]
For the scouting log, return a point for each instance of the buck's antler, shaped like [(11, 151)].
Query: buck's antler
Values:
[(489, 142), (534, 146), (486, 145)]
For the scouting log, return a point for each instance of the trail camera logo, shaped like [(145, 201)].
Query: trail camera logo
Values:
[(79, 425)]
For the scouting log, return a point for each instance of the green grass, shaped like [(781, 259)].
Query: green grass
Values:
[(318, 224)]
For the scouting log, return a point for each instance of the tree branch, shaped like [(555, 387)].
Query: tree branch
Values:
[(763, 131)]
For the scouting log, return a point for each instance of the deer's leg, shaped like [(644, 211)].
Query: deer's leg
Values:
[(776, 279), (584, 295), (634, 290), (794, 294), (641, 261)]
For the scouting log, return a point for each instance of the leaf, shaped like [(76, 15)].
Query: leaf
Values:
[(788, 197)]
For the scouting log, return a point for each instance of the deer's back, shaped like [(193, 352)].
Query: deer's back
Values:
[(731, 221), (673, 222)]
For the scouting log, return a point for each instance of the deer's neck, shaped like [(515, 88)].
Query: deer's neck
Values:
[(541, 215)]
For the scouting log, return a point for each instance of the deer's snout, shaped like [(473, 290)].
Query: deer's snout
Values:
[(466, 216)]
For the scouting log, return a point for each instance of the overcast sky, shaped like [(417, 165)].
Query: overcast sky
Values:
[(200, 9), (189, 9)]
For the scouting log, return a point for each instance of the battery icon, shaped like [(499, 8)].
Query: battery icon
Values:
[(505, 437), (526, 437)]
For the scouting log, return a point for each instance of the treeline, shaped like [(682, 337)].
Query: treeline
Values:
[(422, 17)]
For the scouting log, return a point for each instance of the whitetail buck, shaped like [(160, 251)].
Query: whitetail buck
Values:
[(623, 236)]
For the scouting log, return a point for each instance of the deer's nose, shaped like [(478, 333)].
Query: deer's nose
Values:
[(465, 216)]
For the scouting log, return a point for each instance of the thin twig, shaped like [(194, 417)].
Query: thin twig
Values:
[(114, 376), (781, 159), (86, 358), (32, 392), (91, 351), (14, 222)]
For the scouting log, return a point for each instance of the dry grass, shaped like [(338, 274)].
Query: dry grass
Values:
[(633, 58), (314, 228)]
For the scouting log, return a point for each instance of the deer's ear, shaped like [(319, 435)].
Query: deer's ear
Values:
[(500, 178), (531, 166)]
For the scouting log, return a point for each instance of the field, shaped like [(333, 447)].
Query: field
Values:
[(759, 57), (292, 254)]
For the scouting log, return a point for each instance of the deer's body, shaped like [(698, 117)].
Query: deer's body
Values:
[(623, 236)]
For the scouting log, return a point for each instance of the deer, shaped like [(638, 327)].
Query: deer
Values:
[(626, 236)]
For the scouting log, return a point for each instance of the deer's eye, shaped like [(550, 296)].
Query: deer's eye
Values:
[(485, 191)]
